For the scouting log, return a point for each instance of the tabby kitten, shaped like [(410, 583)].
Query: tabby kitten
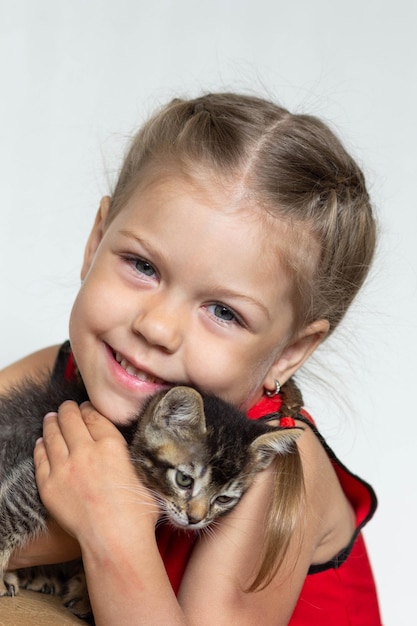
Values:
[(195, 452)]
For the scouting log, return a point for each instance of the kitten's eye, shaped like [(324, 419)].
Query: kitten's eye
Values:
[(224, 499), (184, 480)]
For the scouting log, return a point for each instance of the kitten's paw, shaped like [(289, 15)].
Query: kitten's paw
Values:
[(75, 596), (44, 586), (41, 580), (9, 584)]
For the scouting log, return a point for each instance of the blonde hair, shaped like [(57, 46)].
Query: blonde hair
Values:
[(298, 170)]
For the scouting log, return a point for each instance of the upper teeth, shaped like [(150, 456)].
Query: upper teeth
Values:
[(131, 369)]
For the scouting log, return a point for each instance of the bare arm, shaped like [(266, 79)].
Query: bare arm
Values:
[(36, 365), (54, 547), (113, 518), (326, 526), (110, 513)]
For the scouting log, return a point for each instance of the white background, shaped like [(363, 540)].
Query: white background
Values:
[(78, 76)]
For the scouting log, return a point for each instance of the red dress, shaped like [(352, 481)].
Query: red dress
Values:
[(340, 592)]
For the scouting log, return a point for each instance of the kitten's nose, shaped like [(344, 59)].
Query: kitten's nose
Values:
[(197, 510), (193, 520)]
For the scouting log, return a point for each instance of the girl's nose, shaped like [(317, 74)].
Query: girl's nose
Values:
[(159, 325)]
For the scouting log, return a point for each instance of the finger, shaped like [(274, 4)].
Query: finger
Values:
[(98, 426), (52, 440), (41, 461), (71, 424)]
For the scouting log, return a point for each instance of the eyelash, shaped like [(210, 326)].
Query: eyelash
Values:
[(134, 261), (236, 319)]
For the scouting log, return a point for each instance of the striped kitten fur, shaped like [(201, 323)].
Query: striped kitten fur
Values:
[(195, 452)]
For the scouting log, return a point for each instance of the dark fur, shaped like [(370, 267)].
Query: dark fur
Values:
[(178, 432)]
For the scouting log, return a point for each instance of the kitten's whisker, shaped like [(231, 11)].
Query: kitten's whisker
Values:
[(161, 521), (139, 496), (141, 490), (208, 532)]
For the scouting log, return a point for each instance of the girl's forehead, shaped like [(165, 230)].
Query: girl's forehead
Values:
[(225, 192), (214, 225), (225, 205), (226, 196)]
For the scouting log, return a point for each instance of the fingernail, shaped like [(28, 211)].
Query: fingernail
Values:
[(40, 440), (51, 414)]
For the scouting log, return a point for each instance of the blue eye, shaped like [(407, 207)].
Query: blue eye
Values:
[(144, 267), (223, 313)]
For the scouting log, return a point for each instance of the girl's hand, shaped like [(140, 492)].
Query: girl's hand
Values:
[(88, 483), (84, 474)]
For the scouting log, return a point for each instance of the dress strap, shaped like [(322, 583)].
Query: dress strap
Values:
[(64, 367)]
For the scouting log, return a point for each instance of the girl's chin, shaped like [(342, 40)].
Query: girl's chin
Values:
[(117, 404), (119, 412)]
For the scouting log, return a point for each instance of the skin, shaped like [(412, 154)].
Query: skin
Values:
[(183, 286)]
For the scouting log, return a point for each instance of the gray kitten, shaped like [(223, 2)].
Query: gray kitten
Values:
[(197, 454)]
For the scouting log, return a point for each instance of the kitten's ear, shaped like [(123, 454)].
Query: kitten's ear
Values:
[(181, 407), (268, 445)]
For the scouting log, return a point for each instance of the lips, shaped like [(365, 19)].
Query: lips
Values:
[(133, 371)]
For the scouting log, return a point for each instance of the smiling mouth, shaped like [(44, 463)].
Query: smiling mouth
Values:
[(131, 369)]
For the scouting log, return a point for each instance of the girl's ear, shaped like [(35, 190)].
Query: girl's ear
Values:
[(96, 235), (296, 353)]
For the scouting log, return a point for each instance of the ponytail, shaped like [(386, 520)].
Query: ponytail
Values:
[(287, 501)]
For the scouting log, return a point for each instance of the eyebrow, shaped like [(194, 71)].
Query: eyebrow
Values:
[(220, 292), (139, 240)]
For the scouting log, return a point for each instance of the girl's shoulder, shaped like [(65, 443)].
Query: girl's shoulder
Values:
[(35, 365), (328, 508)]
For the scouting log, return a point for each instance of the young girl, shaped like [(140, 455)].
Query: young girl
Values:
[(235, 239)]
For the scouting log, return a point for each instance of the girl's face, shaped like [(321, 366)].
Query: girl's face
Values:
[(184, 287)]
